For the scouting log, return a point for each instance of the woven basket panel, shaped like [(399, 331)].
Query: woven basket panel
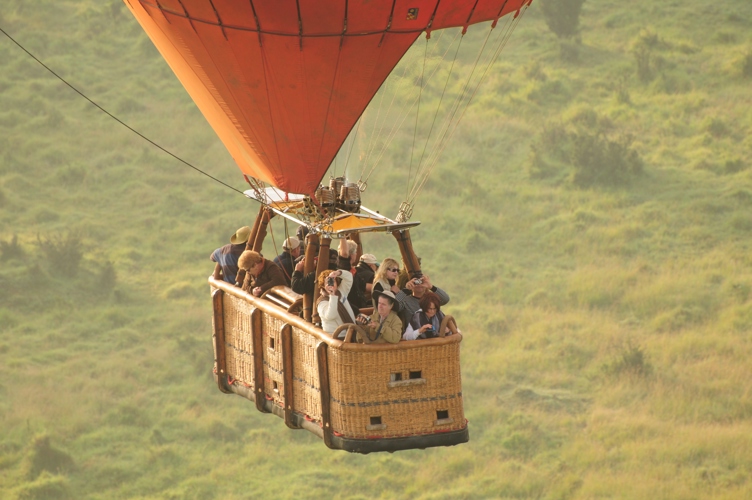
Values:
[(306, 384), (238, 339), (359, 386), (271, 328)]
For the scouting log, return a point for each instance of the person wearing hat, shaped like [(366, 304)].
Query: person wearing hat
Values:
[(286, 260), (366, 269), (385, 325), (228, 255)]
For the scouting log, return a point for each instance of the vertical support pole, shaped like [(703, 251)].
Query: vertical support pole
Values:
[(219, 339), (312, 247), (258, 360), (255, 228), (326, 418), (408, 254), (287, 374), (322, 265), (261, 234), (240, 277)]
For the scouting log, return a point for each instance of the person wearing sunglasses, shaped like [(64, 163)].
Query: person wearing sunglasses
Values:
[(385, 279)]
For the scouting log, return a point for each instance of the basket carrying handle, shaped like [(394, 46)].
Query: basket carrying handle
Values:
[(351, 328), (448, 322)]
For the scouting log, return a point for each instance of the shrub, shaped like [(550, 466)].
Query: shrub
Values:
[(598, 160), (42, 456), (11, 249), (747, 65), (63, 253), (562, 16), (632, 360), (648, 64)]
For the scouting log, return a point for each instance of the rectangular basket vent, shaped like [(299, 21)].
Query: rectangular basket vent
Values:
[(415, 374), (376, 424), (442, 418), (271, 343), (396, 377)]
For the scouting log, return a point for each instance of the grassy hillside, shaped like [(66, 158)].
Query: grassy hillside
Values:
[(590, 219)]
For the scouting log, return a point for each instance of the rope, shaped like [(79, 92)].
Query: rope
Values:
[(504, 39), (121, 122), (417, 116), (396, 127), (441, 99)]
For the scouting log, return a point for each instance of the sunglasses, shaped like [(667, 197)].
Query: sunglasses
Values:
[(393, 269)]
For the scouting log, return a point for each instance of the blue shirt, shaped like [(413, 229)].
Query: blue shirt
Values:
[(227, 257)]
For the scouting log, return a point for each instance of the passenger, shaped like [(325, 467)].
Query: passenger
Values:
[(304, 284), (346, 260), (286, 260), (332, 304), (260, 274), (426, 321), (300, 283), (409, 297), (385, 325), (404, 276), (228, 255), (365, 270), (385, 279), (301, 234)]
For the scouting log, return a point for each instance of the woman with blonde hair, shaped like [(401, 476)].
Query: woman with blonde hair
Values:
[(385, 279)]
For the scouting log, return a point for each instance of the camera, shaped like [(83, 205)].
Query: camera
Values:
[(418, 281), (361, 319), (330, 282)]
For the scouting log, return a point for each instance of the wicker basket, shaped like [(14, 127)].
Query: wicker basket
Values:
[(347, 393)]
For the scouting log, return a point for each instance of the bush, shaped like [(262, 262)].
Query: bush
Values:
[(11, 249), (747, 65), (598, 160), (648, 64), (562, 16), (632, 360), (63, 253), (42, 456)]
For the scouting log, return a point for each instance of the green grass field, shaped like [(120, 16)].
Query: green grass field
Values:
[(590, 220)]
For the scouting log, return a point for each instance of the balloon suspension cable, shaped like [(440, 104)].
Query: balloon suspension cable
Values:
[(417, 116), (121, 122), (441, 144), (352, 144), (397, 124)]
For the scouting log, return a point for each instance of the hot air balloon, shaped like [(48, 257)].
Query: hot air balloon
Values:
[(283, 83)]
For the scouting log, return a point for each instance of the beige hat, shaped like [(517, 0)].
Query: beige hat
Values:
[(291, 243), (369, 258), (241, 235)]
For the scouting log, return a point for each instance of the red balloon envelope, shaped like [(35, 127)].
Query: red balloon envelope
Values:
[(283, 82)]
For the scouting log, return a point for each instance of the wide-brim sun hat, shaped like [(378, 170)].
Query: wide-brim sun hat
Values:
[(241, 235), (387, 293)]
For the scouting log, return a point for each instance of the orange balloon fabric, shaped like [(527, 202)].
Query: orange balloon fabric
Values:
[(282, 82)]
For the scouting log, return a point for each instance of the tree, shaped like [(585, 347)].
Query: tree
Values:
[(562, 16)]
